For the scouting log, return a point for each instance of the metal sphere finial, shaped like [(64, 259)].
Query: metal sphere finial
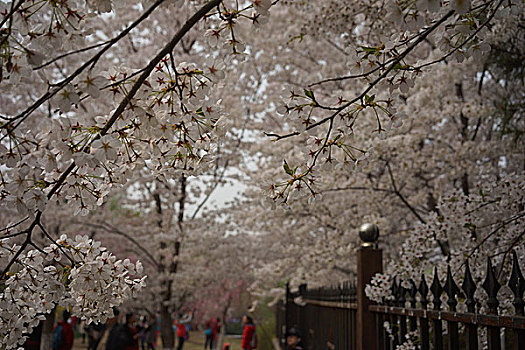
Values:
[(369, 233)]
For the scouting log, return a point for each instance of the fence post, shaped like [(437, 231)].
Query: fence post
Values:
[(369, 262), (284, 325)]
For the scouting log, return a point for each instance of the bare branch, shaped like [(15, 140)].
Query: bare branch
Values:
[(113, 230), (492, 233)]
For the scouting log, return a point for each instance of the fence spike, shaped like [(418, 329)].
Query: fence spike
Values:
[(412, 294), (469, 287), (491, 287), (436, 290), (517, 285), (401, 291), (341, 292), (451, 289), (423, 291), (393, 289)]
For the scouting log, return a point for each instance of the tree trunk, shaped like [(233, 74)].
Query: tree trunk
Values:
[(166, 323), (46, 340), (166, 329), (223, 327)]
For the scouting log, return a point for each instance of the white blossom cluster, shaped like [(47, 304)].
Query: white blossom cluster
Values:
[(171, 124), (384, 64), (167, 138), (78, 132), (378, 289), (493, 214), (77, 274), (410, 341)]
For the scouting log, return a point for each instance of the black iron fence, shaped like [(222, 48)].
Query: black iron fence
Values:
[(339, 317), (325, 317), (426, 324)]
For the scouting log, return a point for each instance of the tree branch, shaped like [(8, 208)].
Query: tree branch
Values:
[(375, 82), (112, 229), (126, 100), (25, 114)]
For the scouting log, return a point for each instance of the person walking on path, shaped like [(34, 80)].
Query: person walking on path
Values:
[(215, 331), (124, 337), (115, 328), (63, 335), (208, 332), (293, 338), (150, 333), (132, 333), (249, 335), (182, 333), (95, 334)]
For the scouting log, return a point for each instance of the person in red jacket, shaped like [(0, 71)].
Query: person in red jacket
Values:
[(182, 333), (215, 330), (249, 335), (68, 336)]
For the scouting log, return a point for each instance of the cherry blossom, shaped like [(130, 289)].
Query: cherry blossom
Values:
[(71, 273), (400, 113)]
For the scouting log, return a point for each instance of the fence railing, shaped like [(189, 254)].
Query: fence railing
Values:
[(342, 317), (326, 317), (426, 325)]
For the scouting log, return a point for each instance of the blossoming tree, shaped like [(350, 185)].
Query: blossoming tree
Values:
[(402, 112), (423, 141), (68, 141)]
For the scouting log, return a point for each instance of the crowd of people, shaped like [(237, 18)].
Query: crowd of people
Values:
[(130, 333), (126, 335), (211, 331)]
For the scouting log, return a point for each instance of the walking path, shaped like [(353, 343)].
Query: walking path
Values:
[(196, 342)]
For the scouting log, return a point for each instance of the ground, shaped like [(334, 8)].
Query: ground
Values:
[(196, 342)]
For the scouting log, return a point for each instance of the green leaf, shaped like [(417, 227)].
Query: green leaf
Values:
[(369, 99), (200, 112), (397, 66), (309, 94), (369, 50), (287, 168)]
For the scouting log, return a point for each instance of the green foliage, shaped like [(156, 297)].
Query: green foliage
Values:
[(114, 204), (234, 328), (266, 325), (309, 94)]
